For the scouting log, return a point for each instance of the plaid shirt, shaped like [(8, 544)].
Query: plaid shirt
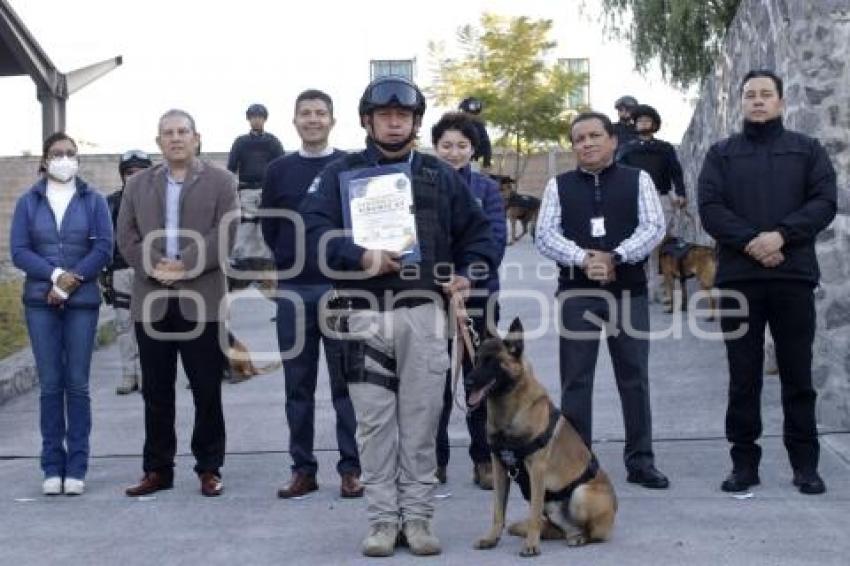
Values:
[(552, 244)]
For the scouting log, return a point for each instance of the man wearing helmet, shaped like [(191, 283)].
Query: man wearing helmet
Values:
[(658, 158), (484, 150), (624, 128), (252, 152), (391, 310), (249, 158), (117, 281)]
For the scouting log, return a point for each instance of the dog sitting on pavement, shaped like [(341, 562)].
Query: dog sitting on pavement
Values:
[(570, 497), (680, 260)]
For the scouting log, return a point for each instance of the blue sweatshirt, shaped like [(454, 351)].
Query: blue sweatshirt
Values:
[(286, 183)]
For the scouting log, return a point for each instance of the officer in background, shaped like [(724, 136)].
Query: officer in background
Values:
[(117, 281), (624, 127), (473, 107), (658, 158), (249, 158)]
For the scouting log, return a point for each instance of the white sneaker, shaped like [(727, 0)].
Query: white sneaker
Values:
[(74, 486), (52, 486)]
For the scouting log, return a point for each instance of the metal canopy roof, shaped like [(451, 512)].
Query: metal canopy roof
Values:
[(20, 54)]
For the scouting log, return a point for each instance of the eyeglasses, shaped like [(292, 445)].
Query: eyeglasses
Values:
[(134, 155), (58, 153)]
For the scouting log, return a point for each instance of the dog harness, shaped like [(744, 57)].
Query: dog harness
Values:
[(512, 456), (676, 248)]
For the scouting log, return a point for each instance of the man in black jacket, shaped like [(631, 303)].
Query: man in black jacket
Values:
[(764, 195), (249, 158), (658, 158), (624, 127), (395, 357)]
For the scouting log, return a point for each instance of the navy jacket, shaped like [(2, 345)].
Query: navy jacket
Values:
[(451, 226), (286, 183), (486, 192), (251, 154), (764, 179), (83, 245), (658, 158)]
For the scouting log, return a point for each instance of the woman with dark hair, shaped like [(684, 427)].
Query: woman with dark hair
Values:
[(61, 238), (455, 139)]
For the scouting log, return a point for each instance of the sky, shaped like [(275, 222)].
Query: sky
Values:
[(215, 58)]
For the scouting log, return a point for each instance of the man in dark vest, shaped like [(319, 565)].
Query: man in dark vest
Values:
[(391, 302), (764, 195), (599, 223)]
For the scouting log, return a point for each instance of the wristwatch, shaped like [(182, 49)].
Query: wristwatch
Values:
[(617, 257)]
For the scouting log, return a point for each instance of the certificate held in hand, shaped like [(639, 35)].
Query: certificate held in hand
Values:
[(378, 209)]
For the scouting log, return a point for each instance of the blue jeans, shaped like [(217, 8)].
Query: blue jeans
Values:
[(300, 374), (62, 343)]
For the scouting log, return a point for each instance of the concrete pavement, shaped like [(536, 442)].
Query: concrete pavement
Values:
[(693, 522)]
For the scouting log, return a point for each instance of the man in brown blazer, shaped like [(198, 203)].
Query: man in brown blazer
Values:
[(176, 228)]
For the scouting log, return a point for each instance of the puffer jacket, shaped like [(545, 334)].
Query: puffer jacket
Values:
[(82, 245)]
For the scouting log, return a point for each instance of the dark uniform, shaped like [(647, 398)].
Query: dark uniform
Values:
[(396, 375), (767, 179)]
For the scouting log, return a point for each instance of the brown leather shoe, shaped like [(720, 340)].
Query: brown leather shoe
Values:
[(300, 484), (350, 486), (151, 482), (211, 484)]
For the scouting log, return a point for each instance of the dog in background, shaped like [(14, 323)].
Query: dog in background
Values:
[(519, 208), (570, 497), (680, 260), (240, 366)]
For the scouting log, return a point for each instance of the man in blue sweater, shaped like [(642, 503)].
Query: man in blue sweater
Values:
[(302, 284)]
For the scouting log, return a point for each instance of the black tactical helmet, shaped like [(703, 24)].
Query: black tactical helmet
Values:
[(647, 110), (626, 102), (391, 91), (257, 110), (471, 105), (134, 158)]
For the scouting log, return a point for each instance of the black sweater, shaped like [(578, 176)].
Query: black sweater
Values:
[(658, 158), (764, 179)]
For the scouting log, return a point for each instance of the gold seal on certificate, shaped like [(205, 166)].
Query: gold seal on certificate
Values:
[(380, 210)]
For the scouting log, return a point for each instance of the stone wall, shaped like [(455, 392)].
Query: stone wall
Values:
[(807, 43)]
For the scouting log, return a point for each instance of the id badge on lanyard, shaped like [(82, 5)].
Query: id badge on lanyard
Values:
[(597, 227)]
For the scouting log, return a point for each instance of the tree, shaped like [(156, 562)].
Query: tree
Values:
[(684, 36), (504, 65)]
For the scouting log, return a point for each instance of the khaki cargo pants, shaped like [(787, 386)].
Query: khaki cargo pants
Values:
[(396, 431)]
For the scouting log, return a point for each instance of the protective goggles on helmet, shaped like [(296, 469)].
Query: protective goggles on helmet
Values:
[(393, 93), (134, 155)]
